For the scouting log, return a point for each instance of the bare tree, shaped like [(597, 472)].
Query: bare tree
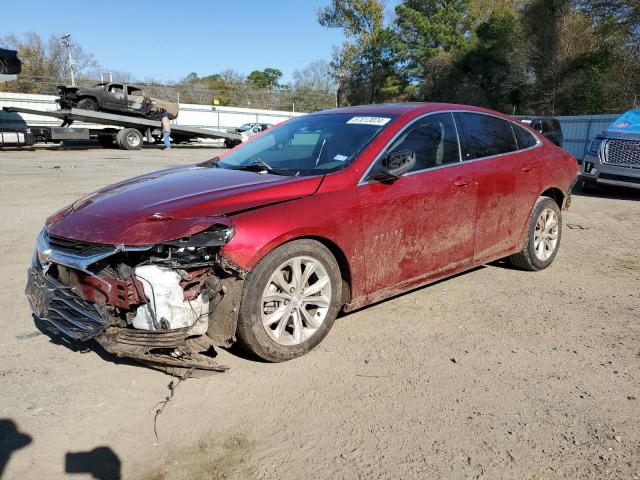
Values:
[(44, 63), (317, 75)]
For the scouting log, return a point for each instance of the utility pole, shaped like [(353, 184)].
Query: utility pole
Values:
[(66, 41)]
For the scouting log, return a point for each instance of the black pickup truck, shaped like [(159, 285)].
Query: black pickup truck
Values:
[(116, 97)]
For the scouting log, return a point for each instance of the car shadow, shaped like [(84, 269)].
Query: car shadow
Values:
[(503, 263), (238, 351), (94, 347), (606, 191), (11, 440), (235, 349), (85, 347), (101, 463), (413, 290), (56, 338)]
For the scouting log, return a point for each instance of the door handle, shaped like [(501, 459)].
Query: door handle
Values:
[(462, 182), (528, 168)]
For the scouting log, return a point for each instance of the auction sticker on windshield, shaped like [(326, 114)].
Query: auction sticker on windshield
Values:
[(378, 121)]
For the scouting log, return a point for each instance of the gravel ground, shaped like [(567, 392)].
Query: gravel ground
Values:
[(495, 373)]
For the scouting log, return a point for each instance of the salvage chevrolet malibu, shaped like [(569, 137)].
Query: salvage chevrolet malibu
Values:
[(265, 244)]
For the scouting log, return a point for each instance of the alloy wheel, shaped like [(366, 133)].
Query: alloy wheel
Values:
[(545, 236), (296, 300)]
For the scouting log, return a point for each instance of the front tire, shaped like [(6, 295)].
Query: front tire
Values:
[(290, 301), (543, 236)]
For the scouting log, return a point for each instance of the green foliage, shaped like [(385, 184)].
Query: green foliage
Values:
[(258, 79), (360, 19), (526, 56), (426, 29), (365, 64), (268, 78), (492, 70)]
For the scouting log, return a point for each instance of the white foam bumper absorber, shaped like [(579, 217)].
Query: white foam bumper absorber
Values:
[(166, 297)]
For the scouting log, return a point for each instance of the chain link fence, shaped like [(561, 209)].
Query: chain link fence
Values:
[(241, 94)]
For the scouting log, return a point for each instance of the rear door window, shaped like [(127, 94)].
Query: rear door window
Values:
[(485, 136)]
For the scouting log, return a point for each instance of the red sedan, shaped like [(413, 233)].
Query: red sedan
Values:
[(265, 244)]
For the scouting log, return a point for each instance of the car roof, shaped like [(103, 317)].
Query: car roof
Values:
[(407, 108), (544, 118)]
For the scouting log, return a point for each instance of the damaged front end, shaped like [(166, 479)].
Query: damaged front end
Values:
[(165, 305)]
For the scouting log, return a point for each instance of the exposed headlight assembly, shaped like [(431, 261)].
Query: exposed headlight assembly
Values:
[(215, 236)]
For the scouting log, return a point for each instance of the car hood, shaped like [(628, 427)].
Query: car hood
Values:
[(173, 203), (619, 135)]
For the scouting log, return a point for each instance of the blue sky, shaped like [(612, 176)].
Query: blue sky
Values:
[(166, 40)]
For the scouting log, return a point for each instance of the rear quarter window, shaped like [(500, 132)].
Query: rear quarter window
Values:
[(524, 137), (486, 135)]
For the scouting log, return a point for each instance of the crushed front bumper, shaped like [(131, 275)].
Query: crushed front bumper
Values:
[(61, 308), (63, 311)]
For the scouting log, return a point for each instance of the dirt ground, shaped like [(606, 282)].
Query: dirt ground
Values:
[(496, 373)]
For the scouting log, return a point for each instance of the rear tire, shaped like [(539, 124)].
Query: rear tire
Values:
[(542, 239), (88, 104), (308, 301), (129, 139)]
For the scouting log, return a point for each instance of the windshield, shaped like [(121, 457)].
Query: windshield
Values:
[(309, 145)]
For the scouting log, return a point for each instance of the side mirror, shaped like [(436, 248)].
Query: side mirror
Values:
[(396, 164)]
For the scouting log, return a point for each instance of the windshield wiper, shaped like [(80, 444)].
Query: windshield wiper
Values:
[(211, 163), (259, 166)]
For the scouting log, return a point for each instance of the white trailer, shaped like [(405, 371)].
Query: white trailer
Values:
[(129, 132)]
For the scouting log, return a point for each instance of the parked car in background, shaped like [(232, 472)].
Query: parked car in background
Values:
[(266, 243), (116, 97), (613, 156), (9, 62), (547, 126), (247, 131)]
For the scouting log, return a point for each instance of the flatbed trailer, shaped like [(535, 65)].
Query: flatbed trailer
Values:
[(131, 135)]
